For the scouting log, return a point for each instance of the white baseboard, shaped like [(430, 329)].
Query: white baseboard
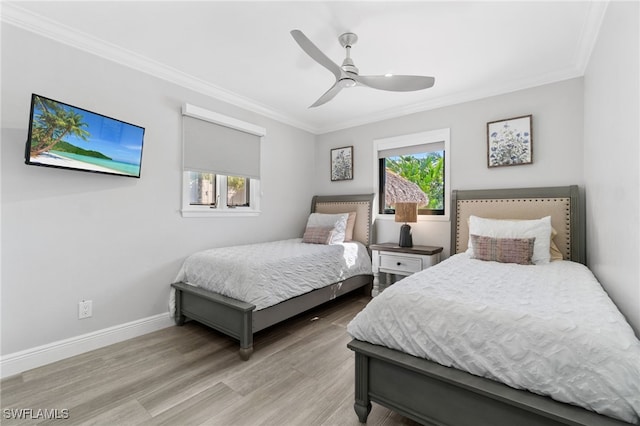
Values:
[(18, 362)]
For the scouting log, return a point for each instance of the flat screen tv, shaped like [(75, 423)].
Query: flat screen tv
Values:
[(68, 137)]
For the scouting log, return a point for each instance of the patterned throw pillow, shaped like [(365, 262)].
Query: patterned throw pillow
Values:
[(540, 229), (317, 235), (505, 250)]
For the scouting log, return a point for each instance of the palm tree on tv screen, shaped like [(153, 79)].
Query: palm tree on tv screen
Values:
[(54, 123)]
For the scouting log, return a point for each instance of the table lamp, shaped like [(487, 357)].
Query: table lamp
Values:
[(406, 212)]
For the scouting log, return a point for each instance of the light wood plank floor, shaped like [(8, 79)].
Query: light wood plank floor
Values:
[(301, 373)]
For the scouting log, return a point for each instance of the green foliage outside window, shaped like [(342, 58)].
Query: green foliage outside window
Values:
[(235, 183), (425, 171), (237, 191)]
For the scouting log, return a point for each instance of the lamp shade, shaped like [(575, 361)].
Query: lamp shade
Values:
[(406, 212)]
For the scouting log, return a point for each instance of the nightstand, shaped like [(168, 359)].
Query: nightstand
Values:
[(391, 259)]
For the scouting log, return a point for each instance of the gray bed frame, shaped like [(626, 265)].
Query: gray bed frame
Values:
[(432, 394), (240, 320)]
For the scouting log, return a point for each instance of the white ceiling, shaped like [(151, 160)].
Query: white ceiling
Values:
[(242, 52)]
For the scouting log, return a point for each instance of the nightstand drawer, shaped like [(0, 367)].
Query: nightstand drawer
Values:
[(390, 259), (400, 263)]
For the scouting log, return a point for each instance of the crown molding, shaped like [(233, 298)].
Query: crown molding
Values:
[(588, 38), (590, 32), (19, 17), (38, 24), (458, 98)]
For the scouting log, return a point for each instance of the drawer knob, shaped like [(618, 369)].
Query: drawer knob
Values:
[(399, 263)]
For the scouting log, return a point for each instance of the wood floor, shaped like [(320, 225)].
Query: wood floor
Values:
[(301, 373)]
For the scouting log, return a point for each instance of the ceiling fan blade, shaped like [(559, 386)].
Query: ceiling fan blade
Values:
[(396, 83), (328, 95), (315, 53)]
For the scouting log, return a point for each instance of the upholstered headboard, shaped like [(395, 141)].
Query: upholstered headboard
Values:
[(563, 204), (359, 203)]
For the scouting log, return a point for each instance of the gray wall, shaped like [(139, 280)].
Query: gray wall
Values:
[(68, 235), (557, 148), (612, 158)]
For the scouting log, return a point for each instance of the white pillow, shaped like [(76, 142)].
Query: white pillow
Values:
[(336, 221), (540, 229)]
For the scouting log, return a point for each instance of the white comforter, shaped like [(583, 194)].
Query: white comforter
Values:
[(265, 274), (548, 328)]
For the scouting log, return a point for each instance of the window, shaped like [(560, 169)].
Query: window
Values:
[(414, 168), (238, 189), (419, 177), (221, 164), (202, 189), (205, 187)]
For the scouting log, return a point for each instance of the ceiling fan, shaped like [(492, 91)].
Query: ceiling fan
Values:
[(347, 74)]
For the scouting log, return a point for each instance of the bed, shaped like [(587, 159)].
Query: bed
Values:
[(263, 267), (433, 393)]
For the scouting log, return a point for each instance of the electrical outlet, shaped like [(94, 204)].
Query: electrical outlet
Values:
[(85, 309)]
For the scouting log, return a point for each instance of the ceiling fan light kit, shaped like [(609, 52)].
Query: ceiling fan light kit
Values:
[(347, 82), (348, 75)]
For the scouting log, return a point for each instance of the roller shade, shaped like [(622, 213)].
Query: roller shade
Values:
[(412, 149), (214, 148)]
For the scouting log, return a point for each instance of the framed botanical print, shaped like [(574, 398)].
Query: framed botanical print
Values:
[(342, 163), (510, 142)]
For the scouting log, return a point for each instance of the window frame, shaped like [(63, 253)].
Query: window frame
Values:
[(439, 136), (221, 209)]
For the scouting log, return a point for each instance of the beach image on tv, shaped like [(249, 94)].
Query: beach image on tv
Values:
[(69, 137)]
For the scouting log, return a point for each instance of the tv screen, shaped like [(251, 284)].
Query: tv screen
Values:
[(68, 137)]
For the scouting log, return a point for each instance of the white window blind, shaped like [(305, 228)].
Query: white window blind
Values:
[(218, 148), (411, 149)]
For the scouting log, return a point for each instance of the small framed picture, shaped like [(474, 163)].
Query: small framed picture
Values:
[(342, 163), (510, 142)]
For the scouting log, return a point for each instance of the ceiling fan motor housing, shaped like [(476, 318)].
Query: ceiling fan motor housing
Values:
[(347, 40), (348, 66)]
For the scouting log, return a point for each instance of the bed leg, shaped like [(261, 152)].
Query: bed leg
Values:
[(362, 406), (178, 317), (245, 353), (246, 336), (362, 411)]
